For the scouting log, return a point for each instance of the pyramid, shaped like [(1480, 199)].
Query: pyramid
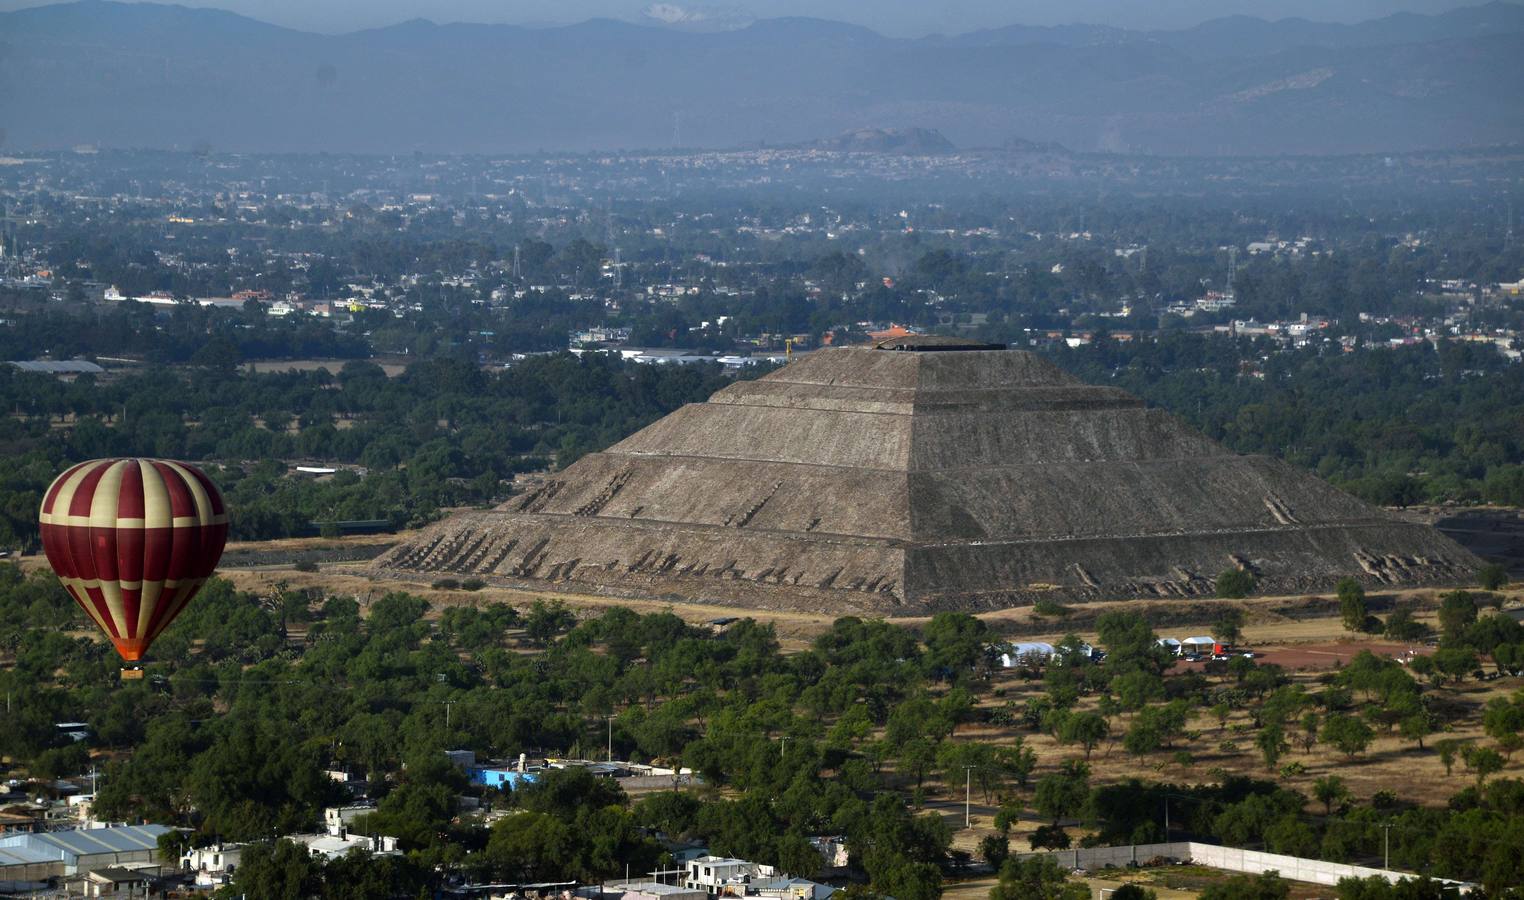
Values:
[(924, 474)]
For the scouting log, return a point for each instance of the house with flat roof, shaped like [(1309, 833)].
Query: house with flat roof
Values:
[(713, 874)]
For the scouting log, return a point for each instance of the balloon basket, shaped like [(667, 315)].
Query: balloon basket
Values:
[(132, 674)]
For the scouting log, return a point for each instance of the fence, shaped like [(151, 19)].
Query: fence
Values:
[(1230, 859)]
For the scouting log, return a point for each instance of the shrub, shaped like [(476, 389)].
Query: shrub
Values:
[(1050, 608), (446, 584), (1235, 584), (472, 584), (305, 565)]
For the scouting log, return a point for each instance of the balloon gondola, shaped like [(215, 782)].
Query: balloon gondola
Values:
[(133, 540)]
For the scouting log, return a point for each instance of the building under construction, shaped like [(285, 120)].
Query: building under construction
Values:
[(919, 475)]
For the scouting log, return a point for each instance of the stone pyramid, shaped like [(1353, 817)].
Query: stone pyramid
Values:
[(919, 475)]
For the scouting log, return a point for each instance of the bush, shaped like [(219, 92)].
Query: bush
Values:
[(1235, 584), (1050, 608), (446, 584), (305, 565), (1491, 577), (472, 584)]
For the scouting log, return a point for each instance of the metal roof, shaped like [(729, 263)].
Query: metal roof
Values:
[(22, 856), (60, 367), (76, 842)]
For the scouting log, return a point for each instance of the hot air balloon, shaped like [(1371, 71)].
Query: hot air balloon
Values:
[(133, 540)]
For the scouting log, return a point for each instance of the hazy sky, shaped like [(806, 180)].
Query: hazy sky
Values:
[(895, 17)]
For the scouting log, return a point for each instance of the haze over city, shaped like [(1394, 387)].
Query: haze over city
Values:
[(899, 18)]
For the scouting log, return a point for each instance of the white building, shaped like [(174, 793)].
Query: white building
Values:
[(713, 874), (212, 865)]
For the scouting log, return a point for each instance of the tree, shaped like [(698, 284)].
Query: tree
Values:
[(1401, 625), (993, 849), (954, 643), (1491, 577), (1484, 761), (1457, 610), (1036, 878), (1455, 663), (1271, 743), (1087, 729), (1229, 627), (1416, 726), (546, 620), (1134, 892), (1448, 750), (1310, 725), (1050, 837), (1330, 790), (1347, 734), (1063, 794), (1235, 584), (283, 870), (1352, 609)]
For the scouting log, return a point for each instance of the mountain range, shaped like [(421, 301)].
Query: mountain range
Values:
[(152, 75)]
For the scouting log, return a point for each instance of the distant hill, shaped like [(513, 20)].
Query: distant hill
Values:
[(910, 141), (148, 75)]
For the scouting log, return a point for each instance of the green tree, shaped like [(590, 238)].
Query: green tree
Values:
[(1229, 627), (1063, 794), (1347, 734), (1457, 610), (1088, 729), (1036, 878), (1272, 744), (994, 848), (283, 870), (1235, 584), (1491, 577), (1330, 790), (1352, 608)]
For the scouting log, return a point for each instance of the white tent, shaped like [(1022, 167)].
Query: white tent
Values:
[(1201, 644), (1015, 654)]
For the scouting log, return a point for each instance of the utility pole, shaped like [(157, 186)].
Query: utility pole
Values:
[(968, 780), (1166, 820), (783, 748), (1386, 846), (448, 706), (610, 720)]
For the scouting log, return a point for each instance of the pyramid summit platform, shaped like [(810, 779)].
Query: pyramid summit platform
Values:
[(925, 474)]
